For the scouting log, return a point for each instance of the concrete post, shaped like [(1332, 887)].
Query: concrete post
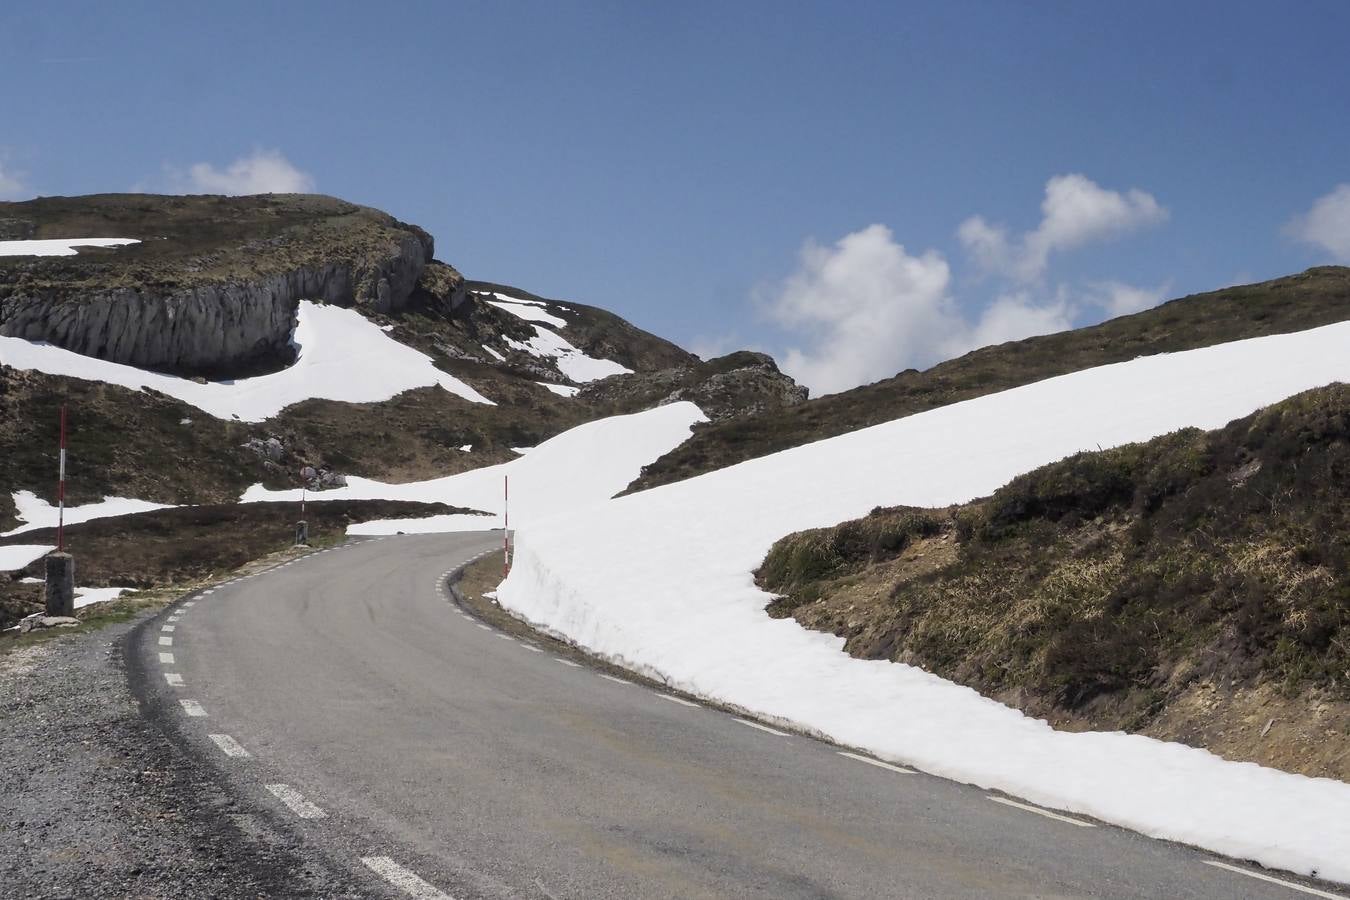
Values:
[(60, 584), (302, 534)]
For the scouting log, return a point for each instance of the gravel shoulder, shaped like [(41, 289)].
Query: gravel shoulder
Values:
[(98, 799)]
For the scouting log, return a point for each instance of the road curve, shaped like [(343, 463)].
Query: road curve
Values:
[(434, 757)]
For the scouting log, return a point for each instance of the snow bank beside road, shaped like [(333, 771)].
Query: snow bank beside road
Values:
[(660, 581), (580, 467), (342, 356)]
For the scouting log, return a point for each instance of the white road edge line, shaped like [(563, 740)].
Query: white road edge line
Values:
[(166, 642), (166, 658), (763, 727), (295, 801), (1040, 812), (1280, 881), (188, 603), (484, 627), (612, 678), (402, 879), (567, 662), (174, 679), (876, 762), (530, 647), (167, 628), (679, 700), (193, 708), (229, 746)]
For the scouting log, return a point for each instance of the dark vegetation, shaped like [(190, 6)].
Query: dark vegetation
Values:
[(1318, 296), (175, 546), (1103, 587)]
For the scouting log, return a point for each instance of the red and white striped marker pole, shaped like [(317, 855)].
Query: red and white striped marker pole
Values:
[(506, 525), (61, 490)]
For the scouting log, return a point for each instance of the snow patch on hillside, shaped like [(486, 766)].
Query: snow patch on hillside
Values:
[(582, 466), (60, 247), (34, 512), (342, 356), (661, 582), (546, 344), (530, 312), (16, 556)]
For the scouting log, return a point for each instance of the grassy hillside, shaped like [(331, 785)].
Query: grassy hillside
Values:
[(187, 241), (1318, 296), (1195, 587)]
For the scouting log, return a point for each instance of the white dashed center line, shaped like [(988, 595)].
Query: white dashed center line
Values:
[(229, 746), (567, 662), (506, 637), (193, 708), (167, 628), (174, 679), (166, 642), (531, 647), (166, 658), (188, 603), (484, 627), (1042, 812), (1289, 884), (613, 679), (679, 700), (763, 728), (402, 879), (876, 762), (298, 804)]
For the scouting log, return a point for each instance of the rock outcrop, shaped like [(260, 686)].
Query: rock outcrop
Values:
[(738, 384), (204, 293)]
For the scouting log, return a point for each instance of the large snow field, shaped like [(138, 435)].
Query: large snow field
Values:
[(341, 356), (660, 582), (60, 246), (546, 344), (34, 512), (580, 467)]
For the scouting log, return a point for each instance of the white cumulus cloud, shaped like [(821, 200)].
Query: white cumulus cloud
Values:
[(1075, 211), (262, 172), (868, 308), (1327, 224), (865, 308)]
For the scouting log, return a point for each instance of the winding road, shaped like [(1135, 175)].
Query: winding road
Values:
[(433, 756)]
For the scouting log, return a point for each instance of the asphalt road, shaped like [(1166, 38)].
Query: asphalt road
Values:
[(432, 756)]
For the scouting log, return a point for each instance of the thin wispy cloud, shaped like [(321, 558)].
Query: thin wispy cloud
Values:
[(11, 185)]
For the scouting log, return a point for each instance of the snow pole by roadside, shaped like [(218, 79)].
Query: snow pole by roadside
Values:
[(506, 526), (61, 489), (60, 587)]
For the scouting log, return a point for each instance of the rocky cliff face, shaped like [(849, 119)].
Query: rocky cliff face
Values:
[(190, 301)]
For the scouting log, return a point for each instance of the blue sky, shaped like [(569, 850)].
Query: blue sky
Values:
[(802, 178)]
